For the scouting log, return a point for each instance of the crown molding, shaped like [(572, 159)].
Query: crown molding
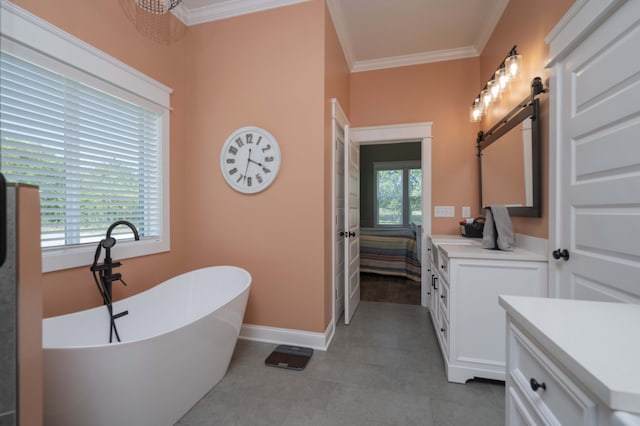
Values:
[(227, 9), (415, 59), (496, 9), (342, 31)]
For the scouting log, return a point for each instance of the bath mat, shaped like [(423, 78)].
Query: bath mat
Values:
[(291, 357)]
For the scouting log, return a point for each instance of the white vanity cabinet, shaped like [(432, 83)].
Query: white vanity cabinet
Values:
[(567, 366), (468, 321), (433, 291)]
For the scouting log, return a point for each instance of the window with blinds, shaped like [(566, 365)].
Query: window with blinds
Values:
[(95, 157)]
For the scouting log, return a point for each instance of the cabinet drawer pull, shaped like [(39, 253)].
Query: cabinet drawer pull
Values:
[(435, 283), (442, 296), (535, 385), (442, 329)]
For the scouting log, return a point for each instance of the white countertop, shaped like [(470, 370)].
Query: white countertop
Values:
[(476, 251), (443, 238), (598, 342)]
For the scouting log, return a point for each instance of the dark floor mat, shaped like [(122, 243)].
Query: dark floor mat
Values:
[(291, 357)]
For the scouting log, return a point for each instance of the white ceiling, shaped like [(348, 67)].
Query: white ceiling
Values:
[(378, 34)]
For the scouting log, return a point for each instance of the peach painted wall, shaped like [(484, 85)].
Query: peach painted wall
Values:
[(103, 24), (525, 24), (264, 69), (441, 93), (337, 78)]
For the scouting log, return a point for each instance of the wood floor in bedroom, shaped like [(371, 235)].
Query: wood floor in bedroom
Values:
[(389, 289)]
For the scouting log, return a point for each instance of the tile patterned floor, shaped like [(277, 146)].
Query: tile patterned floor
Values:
[(384, 368)]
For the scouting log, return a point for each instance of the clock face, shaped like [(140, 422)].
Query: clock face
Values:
[(250, 160)]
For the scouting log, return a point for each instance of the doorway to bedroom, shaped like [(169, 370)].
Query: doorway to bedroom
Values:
[(390, 222), (346, 274)]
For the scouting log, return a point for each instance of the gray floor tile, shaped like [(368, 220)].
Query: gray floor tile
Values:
[(384, 369)]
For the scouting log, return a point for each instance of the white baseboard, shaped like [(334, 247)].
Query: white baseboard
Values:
[(259, 333)]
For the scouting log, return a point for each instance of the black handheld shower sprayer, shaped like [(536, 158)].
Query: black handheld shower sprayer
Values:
[(103, 273)]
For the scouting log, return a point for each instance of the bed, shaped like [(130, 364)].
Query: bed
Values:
[(391, 251)]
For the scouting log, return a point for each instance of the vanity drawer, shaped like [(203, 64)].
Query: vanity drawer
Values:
[(443, 298), (443, 265), (443, 330), (556, 399)]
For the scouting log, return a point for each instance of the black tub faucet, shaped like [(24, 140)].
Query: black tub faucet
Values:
[(103, 272)]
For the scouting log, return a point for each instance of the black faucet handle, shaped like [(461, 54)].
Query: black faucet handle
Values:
[(117, 277)]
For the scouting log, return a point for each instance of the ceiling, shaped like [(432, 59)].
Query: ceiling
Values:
[(377, 34)]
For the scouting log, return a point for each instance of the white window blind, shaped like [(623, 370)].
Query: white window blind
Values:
[(95, 157)]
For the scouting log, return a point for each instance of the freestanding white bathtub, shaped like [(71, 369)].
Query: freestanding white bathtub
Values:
[(177, 342)]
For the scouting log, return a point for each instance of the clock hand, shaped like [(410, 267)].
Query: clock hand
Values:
[(247, 168), (255, 162)]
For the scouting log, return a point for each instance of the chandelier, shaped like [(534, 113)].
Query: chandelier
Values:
[(152, 19), (157, 6)]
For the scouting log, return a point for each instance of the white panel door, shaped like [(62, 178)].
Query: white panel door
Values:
[(598, 164), (352, 222), (339, 220)]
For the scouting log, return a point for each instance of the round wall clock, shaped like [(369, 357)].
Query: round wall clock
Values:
[(250, 159)]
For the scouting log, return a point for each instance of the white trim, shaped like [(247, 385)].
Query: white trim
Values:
[(342, 30), (286, 336), (580, 21), (29, 30), (227, 9), (494, 12), (392, 133), (415, 59), (373, 135)]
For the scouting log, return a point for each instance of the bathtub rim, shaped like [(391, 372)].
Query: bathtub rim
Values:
[(245, 288)]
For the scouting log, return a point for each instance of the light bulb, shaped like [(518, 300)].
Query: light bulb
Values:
[(476, 111), (485, 95), (513, 64), (502, 78), (494, 88)]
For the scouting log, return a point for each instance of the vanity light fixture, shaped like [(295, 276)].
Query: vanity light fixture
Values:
[(507, 71)]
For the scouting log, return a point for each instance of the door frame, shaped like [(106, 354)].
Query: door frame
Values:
[(396, 133)]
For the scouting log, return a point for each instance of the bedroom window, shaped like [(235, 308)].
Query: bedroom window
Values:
[(91, 133), (398, 193)]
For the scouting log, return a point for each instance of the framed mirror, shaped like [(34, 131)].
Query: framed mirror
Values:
[(509, 156)]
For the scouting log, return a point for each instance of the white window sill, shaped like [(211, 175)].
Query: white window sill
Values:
[(82, 255)]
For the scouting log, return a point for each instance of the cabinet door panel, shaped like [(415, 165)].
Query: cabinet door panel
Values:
[(480, 322)]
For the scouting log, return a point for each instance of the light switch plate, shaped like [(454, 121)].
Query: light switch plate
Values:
[(466, 211), (444, 211)]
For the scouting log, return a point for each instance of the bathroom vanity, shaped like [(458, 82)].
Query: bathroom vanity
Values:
[(465, 283), (567, 365)]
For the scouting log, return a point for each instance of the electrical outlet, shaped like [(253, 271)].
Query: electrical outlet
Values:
[(444, 211), (466, 211)]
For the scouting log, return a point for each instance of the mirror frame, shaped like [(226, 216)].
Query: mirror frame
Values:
[(529, 108)]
